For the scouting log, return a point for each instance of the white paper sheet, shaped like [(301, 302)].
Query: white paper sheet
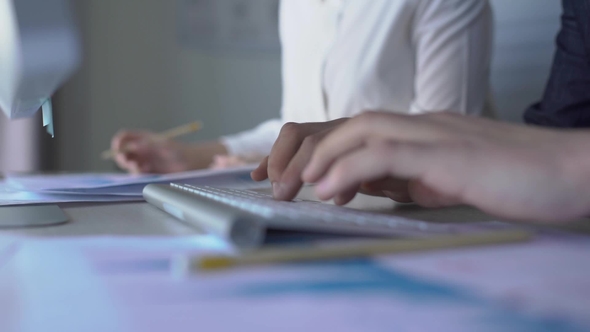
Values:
[(549, 277), (131, 289), (52, 183), (8, 198), (94, 187)]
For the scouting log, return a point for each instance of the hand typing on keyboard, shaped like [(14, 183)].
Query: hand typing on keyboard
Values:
[(293, 150), (289, 156)]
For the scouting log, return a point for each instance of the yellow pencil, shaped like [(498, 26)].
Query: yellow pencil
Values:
[(161, 137), (347, 249)]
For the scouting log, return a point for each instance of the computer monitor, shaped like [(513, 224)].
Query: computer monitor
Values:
[(39, 50)]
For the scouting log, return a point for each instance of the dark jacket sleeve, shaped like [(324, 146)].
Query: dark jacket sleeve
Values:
[(566, 101)]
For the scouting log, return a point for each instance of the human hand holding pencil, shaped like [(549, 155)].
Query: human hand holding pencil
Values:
[(148, 152), (120, 145)]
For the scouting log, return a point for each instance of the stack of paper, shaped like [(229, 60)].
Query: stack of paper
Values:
[(17, 189)]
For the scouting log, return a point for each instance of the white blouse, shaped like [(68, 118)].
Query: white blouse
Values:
[(342, 57)]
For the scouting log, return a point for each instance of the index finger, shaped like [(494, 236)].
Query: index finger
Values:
[(286, 146)]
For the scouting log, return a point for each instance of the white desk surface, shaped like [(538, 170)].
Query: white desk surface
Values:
[(141, 219)]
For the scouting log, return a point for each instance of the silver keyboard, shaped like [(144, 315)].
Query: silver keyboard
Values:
[(303, 214)]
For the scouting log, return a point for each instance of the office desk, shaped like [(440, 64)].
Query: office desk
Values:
[(121, 219), (409, 292)]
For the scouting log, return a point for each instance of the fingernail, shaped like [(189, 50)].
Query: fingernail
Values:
[(276, 190)]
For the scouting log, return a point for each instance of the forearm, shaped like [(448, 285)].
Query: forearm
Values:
[(249, 145), (200, 155), (253, 143)]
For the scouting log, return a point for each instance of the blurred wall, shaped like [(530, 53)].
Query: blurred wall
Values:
[(137, 75), (525, 43)]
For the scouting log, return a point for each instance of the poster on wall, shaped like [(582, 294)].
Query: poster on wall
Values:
[(231, 26)]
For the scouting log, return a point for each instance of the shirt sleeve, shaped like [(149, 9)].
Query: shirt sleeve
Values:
[(566, 101), (254, 142), (453, 42)]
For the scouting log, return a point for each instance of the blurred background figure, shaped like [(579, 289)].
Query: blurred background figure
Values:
[(140, 72), (340, 58), (343, 57), (566, 100)]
